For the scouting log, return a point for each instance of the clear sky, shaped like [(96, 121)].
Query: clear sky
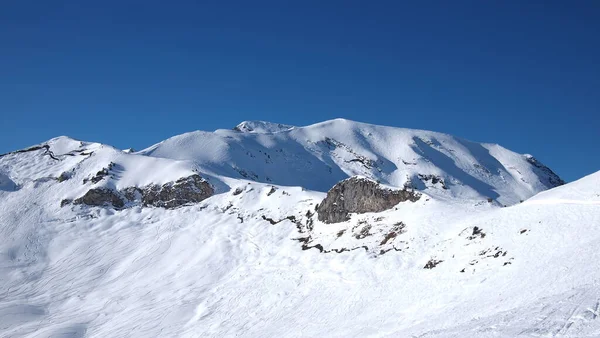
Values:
[(524, 74)]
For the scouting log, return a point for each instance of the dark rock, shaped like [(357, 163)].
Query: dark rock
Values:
[(477, 232), (191, 189), (100, 175), (432, 263), (364, 232), (396, 230), (64, 176), (46, 148), (360, 195), (305, 246), (132, 193), (367, 163), (270, 220), (548, 177), (101, 197), (273, 222), (434, 179)]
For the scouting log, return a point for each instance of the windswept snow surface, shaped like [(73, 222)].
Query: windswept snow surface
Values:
[(234, 264)]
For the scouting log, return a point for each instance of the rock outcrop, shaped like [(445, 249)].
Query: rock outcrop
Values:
[(546, 175), (360, 195), (101, 197), (191, 189), (186, 190)]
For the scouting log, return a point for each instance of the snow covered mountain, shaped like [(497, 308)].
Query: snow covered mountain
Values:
[(318, 156), (339, 229)]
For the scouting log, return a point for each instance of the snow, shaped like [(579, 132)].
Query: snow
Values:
[(581, 191), (262, 127), (221, 269), (318, 156), (80, 161)]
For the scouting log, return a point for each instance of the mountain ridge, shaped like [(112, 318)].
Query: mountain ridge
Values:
[(318, 156)]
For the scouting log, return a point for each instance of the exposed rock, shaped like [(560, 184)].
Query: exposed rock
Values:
[(306, 246), (367, 163), (99, 197), (273, 222), (65, 176), (261, 127), (191, 189), (100, 175), (477, 233), (432, 263), (132, 193), (551, 180), (364, 232), (434, 179), (396, 230), (46, 148), (360, 195)]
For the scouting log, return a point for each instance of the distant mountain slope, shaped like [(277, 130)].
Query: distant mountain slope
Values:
[(318, 156)]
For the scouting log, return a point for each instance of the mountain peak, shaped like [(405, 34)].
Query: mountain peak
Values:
[(262, 127)]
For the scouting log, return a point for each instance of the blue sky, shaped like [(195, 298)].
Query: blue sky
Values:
[(524, 74)]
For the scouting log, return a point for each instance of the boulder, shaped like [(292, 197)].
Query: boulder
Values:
[(360, 195)]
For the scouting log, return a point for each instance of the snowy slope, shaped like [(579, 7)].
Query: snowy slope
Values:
[(71, 162), (318, 156), (254, 261)]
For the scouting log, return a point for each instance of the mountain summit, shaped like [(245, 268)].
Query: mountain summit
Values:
[(261, 127)]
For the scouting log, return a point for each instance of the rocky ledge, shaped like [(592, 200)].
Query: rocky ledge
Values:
[(360, 195), (187, 190)]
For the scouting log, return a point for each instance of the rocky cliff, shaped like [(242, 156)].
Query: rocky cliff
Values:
[(360, 195)]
